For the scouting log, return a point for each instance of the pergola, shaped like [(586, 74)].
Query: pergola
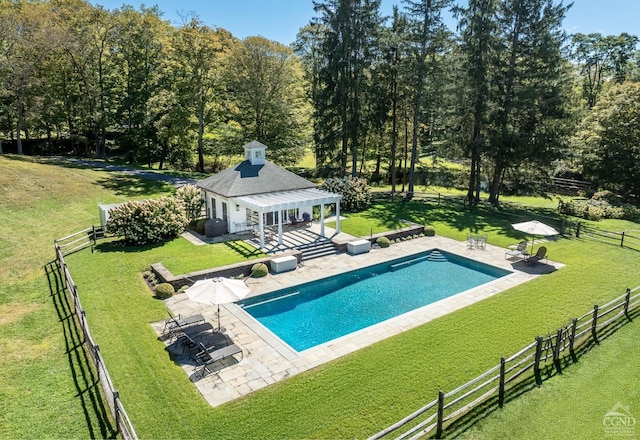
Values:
[(284, 200)]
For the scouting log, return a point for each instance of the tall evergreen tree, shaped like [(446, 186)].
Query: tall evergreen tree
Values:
[(351, 28), (478, 29), (427, 35)]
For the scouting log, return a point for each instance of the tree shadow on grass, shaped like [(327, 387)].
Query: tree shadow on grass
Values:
[(246, 252), (134, 186), (474, 220), (122, 246), (86, 380)]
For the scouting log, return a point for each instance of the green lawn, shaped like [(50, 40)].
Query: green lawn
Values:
[(573, 405), (352, 397)]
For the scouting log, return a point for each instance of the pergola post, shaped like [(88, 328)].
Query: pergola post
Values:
[(279, 227), (261, 228), (338, 216), (322, 220)]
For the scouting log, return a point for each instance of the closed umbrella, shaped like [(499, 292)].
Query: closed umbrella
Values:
[(534, 227), (217, 291)]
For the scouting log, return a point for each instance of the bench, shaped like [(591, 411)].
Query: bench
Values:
[(283, 264), (358, 247)]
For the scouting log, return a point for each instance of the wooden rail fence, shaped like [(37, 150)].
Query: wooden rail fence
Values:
[(622, 239), (542, 354), (72, 243)]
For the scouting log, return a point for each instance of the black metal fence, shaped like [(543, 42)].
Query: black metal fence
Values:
[(63, 247), (543, 353)]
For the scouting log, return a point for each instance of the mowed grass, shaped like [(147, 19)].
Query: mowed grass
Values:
[(46, 388), (367, 390), (349, 398)]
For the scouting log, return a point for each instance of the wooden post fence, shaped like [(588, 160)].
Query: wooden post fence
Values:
[(572, 340), (501, 385), (594, 324), (625, 309), (536, 364), (440, 414)]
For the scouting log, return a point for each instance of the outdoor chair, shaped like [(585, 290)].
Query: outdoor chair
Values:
[(193, 331), (174, 323), (519, 252), (471, 241), (540, 255), (208, 342), (481, 242), (306, 218), (294, 221), (205, 358)]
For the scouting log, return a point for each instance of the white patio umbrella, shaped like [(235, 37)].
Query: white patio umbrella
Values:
[(534, 227), (217, 291)]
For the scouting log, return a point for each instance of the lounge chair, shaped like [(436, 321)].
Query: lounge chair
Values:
[(208, 342), (174, 323), (206, 358), (520, 252), (539, 256)]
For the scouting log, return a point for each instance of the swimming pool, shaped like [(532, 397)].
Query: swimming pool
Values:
[(313, 313)]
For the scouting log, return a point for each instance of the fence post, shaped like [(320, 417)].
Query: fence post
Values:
[(116, 396), (556, 351), (501, 386), (627, 297), (572, 339), (622, 240), (440, 414), (594, 324), (578, 230), (536, 365)]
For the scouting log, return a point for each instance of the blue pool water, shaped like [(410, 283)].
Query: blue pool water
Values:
[(316, 312)]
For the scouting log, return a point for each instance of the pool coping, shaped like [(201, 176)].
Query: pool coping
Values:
[(268, 360)]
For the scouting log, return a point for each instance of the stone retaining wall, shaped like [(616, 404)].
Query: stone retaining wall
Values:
[(414, 229), (230, 270)]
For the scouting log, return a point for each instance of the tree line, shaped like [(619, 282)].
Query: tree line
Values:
[(506, 92)]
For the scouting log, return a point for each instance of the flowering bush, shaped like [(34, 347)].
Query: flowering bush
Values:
[(192, 202), (356, 193), (598, 208), (147, 221)]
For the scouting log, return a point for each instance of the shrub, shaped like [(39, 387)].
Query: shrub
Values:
[(200, 226), (356, 193), (383, 242), (164, 291), (147, 221), (191, 199), (429, 231), (259, 270)]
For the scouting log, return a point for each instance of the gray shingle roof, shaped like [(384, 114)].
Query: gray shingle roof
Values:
[(246, 179)]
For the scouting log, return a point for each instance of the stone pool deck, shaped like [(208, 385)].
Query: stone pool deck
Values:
[(267, 360)]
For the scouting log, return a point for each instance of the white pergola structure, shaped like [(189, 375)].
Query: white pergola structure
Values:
[(284, 200)]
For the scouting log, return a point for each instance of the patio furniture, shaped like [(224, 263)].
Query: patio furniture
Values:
[(174, 323), (206, 342), (358, 246), (294, 221), (520, 252), (481, 242), (306, 218), (283, 264), (205, 358), (471, 241), (540, 255)]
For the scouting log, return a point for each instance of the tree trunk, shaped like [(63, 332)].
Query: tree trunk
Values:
[(20, 124), (200, 137)]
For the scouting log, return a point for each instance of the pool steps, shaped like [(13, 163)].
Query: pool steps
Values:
[(248, 306), (433, 256)]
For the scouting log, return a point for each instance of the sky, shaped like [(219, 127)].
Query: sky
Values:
[(280, 20)]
